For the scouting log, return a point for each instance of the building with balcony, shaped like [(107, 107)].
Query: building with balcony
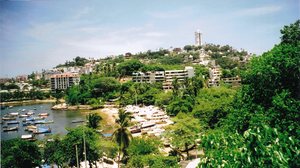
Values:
[(64, 81), (166, 77), (214, 76), (148, 77)]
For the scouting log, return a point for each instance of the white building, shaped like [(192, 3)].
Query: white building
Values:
[(214, 76), (148, 77), (180, 75), (166, 77), (198, 40), (64, 81)]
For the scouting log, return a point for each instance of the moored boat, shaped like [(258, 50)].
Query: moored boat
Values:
[(31, 128), (12, 122), (8, 118), (43, 114), (40, 122), (29, 119), (38, 118), (42, 130), (77, 121), (147, 124), (23, 116), (14, 114), (10, 129), (28, 123), (29, 113), (28, 137), (135, 129)]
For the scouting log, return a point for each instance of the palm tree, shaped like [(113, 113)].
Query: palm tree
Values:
[(122, 135), (93, 120)]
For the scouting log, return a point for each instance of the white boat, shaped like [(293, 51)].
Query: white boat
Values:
[(30, 113), (43, 114), (28, 137), (14, 114), (147, 124), (23, 116)]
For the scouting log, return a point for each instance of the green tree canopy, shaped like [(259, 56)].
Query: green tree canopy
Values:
[(17, 153)]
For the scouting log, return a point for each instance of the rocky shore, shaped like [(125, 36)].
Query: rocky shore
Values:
[(64, 106)]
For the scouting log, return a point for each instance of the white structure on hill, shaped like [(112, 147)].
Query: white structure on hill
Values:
[(198, 40), (64, 80), (166, 77)]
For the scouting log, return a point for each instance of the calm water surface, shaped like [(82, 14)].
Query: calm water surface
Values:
[(62, 120)]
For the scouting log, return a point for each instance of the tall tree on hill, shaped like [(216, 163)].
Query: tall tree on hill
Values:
[(122, 135)]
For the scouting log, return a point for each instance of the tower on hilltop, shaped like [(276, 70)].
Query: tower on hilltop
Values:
[(198, 40)]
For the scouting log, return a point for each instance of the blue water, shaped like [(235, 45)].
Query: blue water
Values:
[(62, 120)]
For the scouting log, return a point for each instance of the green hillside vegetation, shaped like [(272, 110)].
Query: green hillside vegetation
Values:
[(256, 125)]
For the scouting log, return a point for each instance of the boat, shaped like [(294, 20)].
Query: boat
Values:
[(43, 114), (10, 106), (8, 118), (28, 123), (49, 121), (12, 122), (23, 110), (29, 119), (28, 137), (14, 114), (40, 122), (10, 129), (147, 124), (31, 128), (42, 130), (38, 118), (135, 129), (23, 115), (29, 113), (77, 121)]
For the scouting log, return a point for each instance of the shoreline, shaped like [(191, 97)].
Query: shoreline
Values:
[(22, 102)]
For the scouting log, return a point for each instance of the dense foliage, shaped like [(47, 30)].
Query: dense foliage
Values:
[(17, 153), (78, 61), (262, 129), (19, 95)]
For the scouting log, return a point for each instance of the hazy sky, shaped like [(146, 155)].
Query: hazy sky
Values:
[(39, 35)]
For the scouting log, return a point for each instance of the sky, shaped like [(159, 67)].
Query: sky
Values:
[(36, 35)]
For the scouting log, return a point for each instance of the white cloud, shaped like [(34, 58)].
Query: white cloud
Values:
[(83, 12), (173, 14), (258, 11), (96, 40)]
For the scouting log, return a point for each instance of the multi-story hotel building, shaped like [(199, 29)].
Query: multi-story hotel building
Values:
[(166, 77), (214, 76), (64, 81), (148, 77)]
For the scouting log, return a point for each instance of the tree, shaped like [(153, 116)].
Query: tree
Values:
[(54, 152), (212, 105), (20, 154), (262, 128), (257, 147), (93, 120), (122, 135), (188, 48), (58, 94), (291, 33), (184, 133), (76, 137), (143, 146), (102, 87), (128, 67)]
